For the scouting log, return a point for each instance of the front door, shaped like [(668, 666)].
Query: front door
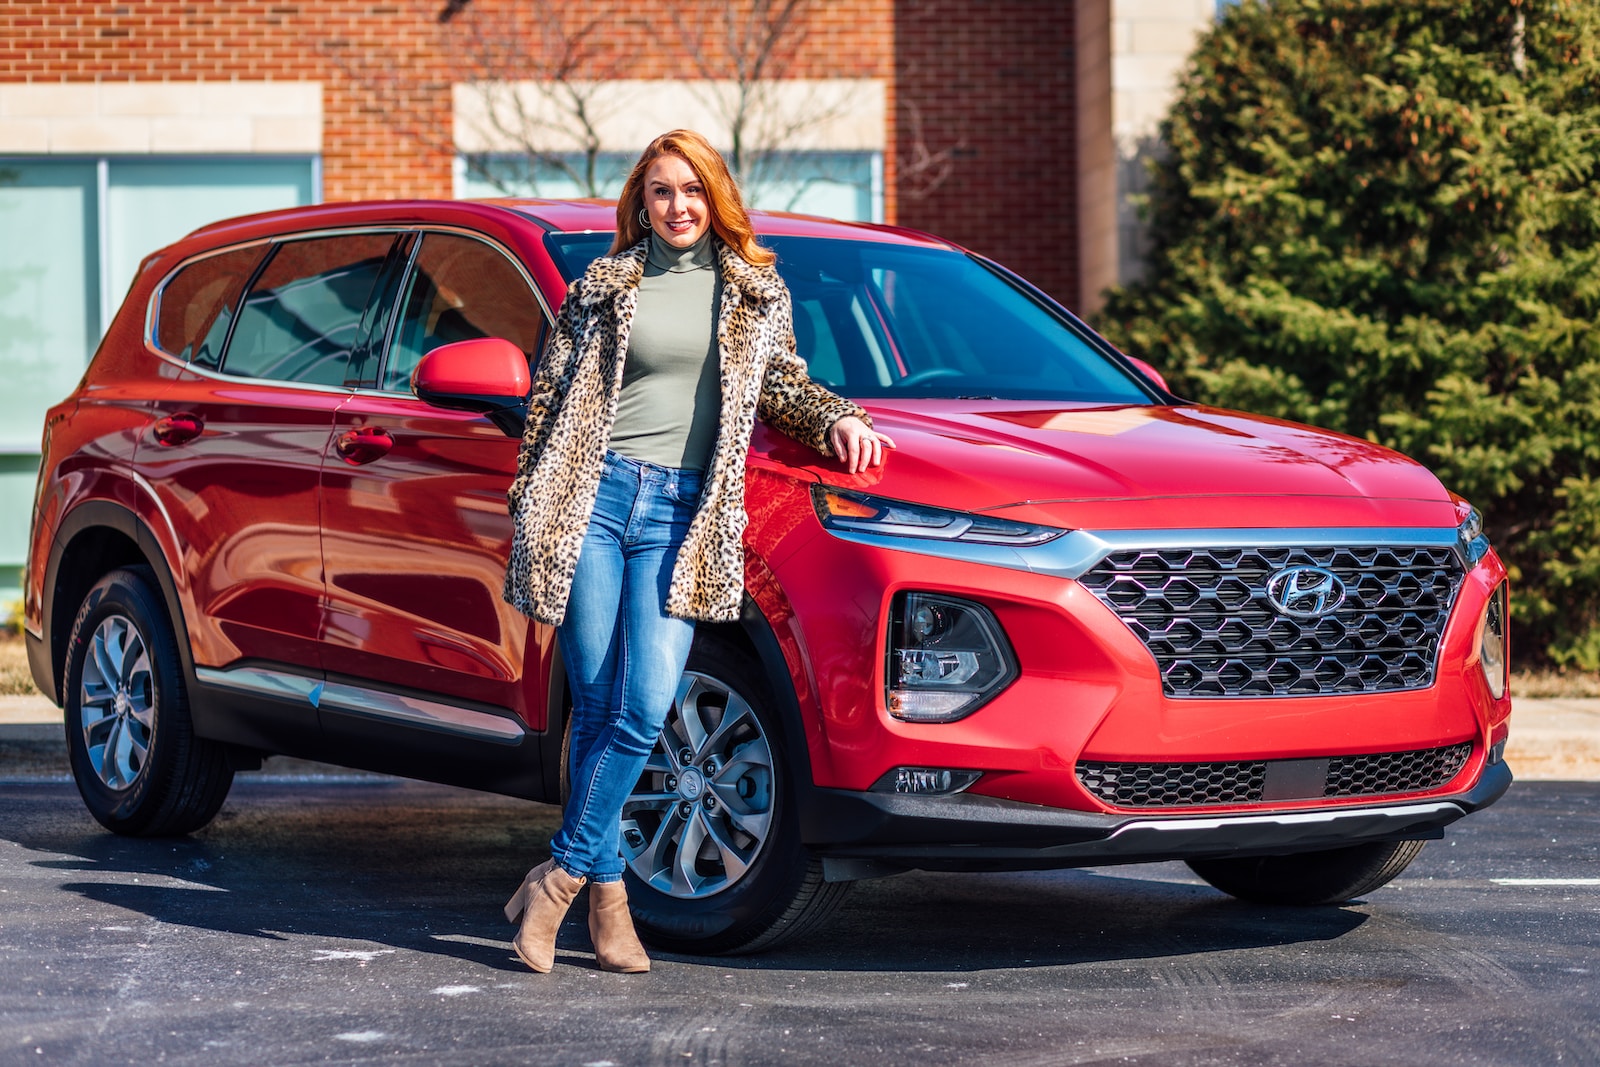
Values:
[(415, 527)]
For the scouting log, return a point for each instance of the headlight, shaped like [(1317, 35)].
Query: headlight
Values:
[(844, 510), (946, 658), (1492, 643), (1471, 541)]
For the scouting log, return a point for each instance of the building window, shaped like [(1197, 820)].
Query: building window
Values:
[(840, 185), (76, 231)]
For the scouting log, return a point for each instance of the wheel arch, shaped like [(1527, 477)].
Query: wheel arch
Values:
[(754, 634), (94, 538)]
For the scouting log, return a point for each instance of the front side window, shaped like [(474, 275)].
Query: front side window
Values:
[(459, 289), (303, 314), (198, 304)]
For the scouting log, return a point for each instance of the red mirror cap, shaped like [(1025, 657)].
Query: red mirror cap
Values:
[(481, 367), (1150, 372)]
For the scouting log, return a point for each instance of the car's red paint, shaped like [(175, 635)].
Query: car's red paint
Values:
[(358, 536), (414, 549), (484, 367), (1140, 467)]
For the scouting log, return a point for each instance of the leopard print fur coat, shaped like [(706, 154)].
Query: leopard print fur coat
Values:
[(574, 403)]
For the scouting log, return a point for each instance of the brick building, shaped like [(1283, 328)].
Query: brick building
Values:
[(1010, 126)]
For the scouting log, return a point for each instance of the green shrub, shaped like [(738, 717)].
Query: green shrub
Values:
[(1384, 218)]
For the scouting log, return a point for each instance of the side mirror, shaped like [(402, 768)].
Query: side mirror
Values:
[(1150, 372), (488, 375)]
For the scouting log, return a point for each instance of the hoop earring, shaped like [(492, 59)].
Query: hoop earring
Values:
[(644, 217)]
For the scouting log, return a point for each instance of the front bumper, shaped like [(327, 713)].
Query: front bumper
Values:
[(865, 835)]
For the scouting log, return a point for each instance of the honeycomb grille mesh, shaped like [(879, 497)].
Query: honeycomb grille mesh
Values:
[(1206, 617), (1185, 785), (1394, 772), (1167, 785)]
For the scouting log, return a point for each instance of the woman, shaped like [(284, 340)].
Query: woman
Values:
[(629, 496)]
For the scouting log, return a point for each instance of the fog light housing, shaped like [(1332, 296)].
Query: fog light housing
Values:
[(946, 658), (1492, 642), (925, 781)]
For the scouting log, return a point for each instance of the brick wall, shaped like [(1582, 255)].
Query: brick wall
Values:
[(991, 81), (386, 68), (992, 86), (169, 40)]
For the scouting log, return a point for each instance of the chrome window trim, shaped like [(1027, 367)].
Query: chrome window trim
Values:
[(161, 286), (154, 302), (1078, 551), (369, 703)]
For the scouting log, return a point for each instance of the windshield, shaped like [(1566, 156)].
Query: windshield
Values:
[(882, 320)]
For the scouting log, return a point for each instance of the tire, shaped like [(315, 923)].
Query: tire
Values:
[(138, 765), (750, 884), (1310, 878)]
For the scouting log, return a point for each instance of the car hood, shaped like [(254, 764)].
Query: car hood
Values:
[(1137, 467)]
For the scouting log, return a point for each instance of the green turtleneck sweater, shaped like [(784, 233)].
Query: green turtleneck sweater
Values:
[(671, 400)]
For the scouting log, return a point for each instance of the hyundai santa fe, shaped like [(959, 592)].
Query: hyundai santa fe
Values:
[(1073, 619)]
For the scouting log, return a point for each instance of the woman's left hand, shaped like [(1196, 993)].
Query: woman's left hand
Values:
[(857, 445)]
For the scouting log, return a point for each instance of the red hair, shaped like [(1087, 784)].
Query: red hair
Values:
[(729, 219)]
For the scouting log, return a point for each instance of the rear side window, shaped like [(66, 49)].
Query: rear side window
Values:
[(459, 288), (198, 304), (302, 316)]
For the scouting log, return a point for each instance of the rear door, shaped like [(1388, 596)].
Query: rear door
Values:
[(235, 451)]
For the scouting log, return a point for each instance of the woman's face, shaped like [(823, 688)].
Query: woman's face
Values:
[(676, 201)]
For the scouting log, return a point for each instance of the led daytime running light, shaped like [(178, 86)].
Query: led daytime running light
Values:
[(845, 511)]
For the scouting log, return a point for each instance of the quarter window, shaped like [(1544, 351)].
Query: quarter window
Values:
[(460, 288), (303, 315), (198, 305)]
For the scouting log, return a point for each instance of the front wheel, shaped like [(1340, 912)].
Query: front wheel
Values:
[(137, 762), (1309, 878), (710, 833)]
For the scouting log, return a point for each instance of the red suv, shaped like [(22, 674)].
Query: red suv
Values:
[(1073, 619)]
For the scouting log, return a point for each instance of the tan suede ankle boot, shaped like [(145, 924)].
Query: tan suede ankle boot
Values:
[(616, 945), (541, 902)]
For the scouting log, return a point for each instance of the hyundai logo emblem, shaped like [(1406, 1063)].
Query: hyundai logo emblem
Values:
[(1305, 592)]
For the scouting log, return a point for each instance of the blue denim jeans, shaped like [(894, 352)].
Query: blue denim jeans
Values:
[(623, 653)]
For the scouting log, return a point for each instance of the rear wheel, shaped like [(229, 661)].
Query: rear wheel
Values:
[(1307, 878), (138, 765), (710, 834)]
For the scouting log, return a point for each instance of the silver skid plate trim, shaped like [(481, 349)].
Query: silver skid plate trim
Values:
[(373, 703)]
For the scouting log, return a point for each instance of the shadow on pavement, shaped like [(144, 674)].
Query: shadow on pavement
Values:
[(411, 867)]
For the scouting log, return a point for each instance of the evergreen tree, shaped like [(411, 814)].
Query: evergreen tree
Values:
[(1382, 217)]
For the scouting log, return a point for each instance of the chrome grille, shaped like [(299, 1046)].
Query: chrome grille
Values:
[(1206, 617), (1187, 785)]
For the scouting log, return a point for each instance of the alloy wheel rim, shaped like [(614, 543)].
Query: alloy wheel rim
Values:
[(703, 808), (116, 702)]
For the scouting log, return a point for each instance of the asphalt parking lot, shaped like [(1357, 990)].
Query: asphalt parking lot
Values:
[(355, 920)]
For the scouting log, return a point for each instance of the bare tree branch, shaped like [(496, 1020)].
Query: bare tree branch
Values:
[(741, 54), (920, 169), (538, 68), (554, 51), (546, 77)]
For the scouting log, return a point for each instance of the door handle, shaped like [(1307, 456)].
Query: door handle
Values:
[(363, 445), (177, 428)]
